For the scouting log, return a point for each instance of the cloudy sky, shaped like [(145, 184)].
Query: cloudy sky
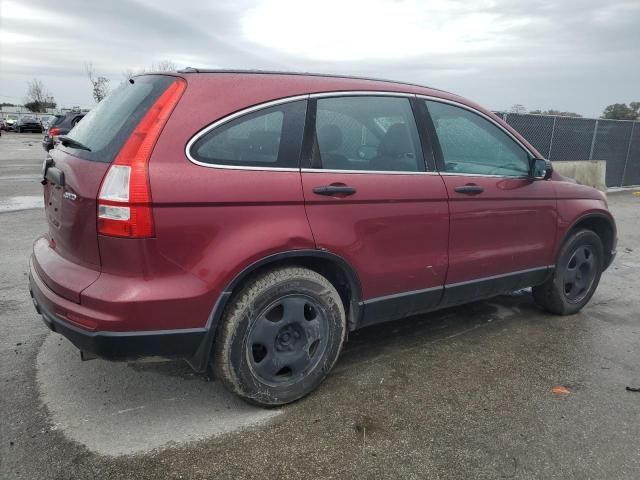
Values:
[(573, 55)]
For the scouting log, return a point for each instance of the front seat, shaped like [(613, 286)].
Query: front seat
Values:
[(330, 140), (395, 152)]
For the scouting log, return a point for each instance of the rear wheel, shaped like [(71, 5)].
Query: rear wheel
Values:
[(280, 336), (576, 275)]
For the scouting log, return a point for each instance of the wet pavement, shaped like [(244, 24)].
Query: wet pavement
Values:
[(462, 393)]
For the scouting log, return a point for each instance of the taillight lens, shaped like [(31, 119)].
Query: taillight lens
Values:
[(124, 202), (54, 131)]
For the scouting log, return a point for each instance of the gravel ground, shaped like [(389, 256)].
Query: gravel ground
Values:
[(462, 393)]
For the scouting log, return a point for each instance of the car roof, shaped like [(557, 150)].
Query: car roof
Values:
[(277, 84), (306, 74)]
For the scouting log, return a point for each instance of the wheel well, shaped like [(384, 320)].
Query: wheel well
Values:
[(602, 227), (344, 281)]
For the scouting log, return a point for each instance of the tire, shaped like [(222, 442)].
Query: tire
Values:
[(576, 276), (280, 336)]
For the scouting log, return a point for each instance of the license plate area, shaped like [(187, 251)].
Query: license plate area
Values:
[(53, 202)]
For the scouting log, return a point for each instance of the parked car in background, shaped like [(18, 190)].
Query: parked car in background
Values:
[(28, 124), (248, 221), (10, 122), (46, 120), (60, 125)]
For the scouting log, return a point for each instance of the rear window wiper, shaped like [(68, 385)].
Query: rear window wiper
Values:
[(70, 142)]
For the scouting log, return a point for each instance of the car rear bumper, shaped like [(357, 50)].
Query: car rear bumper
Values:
[(58, 313)]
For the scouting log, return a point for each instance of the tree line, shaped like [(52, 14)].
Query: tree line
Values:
[(38, 98), (616, 111)]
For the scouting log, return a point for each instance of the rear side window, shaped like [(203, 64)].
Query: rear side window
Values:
[(373, 133), (270, 137), (105, 128)]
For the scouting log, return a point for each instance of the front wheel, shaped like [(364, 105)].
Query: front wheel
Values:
[(576, 275), (280, 336)]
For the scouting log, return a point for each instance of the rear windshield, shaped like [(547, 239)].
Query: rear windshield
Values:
[(105, 128), (58, 120)]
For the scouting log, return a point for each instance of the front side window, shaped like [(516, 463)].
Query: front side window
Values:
[(366, 133), (270, 137), (471, 144)]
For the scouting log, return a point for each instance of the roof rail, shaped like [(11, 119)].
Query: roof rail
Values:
[(310, 74)]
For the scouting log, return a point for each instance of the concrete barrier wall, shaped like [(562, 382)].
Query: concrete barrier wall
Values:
[(585, 172)]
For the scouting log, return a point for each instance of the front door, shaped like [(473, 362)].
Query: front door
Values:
[(503, 223), (371, 199)]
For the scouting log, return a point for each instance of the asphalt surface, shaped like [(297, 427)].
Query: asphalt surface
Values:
[(462, 393)]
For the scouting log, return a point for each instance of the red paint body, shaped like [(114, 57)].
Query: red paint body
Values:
[(399, 233)]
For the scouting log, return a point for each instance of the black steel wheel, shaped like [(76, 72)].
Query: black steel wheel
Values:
[(576, 275), (579, 273), (287, 339), (280, 336)]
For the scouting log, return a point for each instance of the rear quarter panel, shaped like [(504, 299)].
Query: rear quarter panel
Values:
[(213, 222)]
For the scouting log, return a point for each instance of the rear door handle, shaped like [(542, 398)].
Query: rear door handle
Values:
[(334, 190), (469, 189)]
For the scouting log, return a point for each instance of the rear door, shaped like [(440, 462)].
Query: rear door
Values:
[(503, 223), (372, 199)]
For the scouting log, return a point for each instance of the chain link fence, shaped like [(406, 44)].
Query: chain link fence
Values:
[(617, 142)]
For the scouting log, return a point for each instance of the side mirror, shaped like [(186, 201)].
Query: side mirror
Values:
[(541, 169)]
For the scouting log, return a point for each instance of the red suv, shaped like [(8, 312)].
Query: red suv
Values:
[(250, 220)]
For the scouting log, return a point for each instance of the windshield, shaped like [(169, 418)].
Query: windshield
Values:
[(105, 128)]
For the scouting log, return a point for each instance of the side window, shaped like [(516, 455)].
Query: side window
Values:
[(366, 133), (472, 144), (271, 137)]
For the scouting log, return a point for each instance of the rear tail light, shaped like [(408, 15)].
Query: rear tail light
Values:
[(124, 201), (54, 131)]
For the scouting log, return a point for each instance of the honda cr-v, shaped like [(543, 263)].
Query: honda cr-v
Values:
[(248, 221)]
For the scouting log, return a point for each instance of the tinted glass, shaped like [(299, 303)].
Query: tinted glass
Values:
[(57, 121), (105, 128), (366, 133), (471, 144), (270, 137)]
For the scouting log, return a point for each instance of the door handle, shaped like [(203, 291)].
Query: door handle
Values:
[(469, 189), (334, 190)]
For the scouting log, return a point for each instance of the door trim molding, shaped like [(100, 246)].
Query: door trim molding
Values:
[(379, 172), (404, 304), (400, 295), (496, 277)]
